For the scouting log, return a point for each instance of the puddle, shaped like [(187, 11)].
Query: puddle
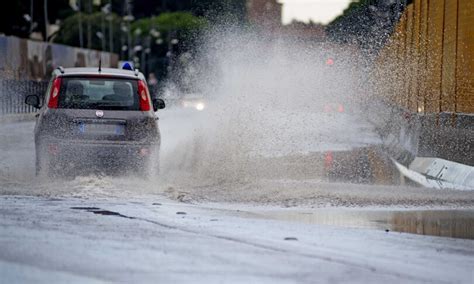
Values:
[(443, 223)]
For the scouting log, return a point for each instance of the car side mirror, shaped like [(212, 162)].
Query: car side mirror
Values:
[(33, 100), (158, 104)]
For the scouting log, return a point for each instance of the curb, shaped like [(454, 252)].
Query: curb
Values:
[(403, 136)]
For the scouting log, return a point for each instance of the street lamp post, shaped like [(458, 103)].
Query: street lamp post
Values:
[(129, 18), (102, 24), (129, 40), (146, 50), (89, 25), (81, 36), (138, 47), (105, 15), (123, 47), (111, 33), (46, 20), (31, 15)]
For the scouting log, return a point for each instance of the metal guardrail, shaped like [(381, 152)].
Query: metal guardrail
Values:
[(434, 150), (14, 92)]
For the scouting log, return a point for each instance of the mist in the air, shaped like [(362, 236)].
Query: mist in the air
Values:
[(271, 102)]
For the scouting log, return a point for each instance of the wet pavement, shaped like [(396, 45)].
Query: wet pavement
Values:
[(97, 240), (442, 223)]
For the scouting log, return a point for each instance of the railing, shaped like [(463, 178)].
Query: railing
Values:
[(14, 92)]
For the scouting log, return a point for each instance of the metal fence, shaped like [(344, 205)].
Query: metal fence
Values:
[(14, 92)]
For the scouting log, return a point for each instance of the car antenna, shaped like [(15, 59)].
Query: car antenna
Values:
[(100, 64)]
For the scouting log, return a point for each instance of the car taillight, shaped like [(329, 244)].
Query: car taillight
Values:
[(340, 108), (54, 95), (328, 160), (144, 96)]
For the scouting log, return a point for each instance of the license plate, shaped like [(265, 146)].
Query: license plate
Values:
[(103, 129)]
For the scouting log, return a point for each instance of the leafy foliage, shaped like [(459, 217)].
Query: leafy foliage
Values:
[(166, 22), (69, 32), (367, 23)]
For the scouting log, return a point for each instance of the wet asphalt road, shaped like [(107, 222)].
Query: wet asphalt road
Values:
[(152, 240)]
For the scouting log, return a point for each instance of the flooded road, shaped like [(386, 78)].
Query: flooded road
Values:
[(442, 223)]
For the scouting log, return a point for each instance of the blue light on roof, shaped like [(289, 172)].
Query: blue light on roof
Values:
[(127, 66)]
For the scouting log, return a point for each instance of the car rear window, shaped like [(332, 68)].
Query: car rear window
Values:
[(98, 93)]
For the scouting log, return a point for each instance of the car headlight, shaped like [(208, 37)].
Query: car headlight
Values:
[(200, 106)]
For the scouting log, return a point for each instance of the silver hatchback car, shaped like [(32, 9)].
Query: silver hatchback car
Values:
[(96, 120)]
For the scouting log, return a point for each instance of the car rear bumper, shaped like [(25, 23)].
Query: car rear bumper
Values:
[(96, 155)]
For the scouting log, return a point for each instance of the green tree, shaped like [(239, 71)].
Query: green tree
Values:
[(68, 33), (166, 22), (367, 23), (166, 37), (176, 32), (157, 43)]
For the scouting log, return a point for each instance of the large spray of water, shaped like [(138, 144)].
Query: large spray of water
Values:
[(269, 99)]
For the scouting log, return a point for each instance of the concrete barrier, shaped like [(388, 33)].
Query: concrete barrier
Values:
[(438, 173), (434, 151)]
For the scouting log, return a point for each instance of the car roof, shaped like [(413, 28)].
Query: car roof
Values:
[(109, 72)]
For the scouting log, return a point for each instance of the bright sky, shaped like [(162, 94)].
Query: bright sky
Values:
[(320, 11)]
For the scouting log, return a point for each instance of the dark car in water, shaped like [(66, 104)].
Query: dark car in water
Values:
[(96, 120)]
